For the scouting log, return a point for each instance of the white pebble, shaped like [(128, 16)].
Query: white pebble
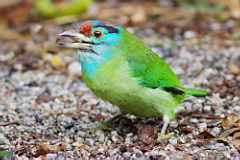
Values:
[(189, 34), (194, 120), (173, 140), (74, 67), (207, 108), (51, 156), (202, 126)]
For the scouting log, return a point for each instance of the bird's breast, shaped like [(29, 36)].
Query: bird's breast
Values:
[(109, 77), (114, 83)]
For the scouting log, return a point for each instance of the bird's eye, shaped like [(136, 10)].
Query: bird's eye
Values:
[(98, 34)]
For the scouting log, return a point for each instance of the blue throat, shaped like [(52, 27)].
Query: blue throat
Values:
[(89, 64)]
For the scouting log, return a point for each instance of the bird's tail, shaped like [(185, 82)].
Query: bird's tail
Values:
[(196, 92)]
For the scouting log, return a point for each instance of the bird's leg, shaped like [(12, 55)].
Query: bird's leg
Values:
[(165, 125), (108, 123), (162, 135)]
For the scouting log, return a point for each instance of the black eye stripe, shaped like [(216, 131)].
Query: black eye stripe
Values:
[(109, 28)]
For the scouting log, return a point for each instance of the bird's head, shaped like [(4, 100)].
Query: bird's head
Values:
[(94, 39), (98, 42)]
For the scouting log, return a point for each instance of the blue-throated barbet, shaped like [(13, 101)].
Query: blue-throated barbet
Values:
[(119, 68)]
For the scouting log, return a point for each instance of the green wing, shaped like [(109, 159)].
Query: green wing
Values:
[(152, 71)]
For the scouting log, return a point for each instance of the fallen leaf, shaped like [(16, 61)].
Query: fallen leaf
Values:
[(229, 132), (7, 34), (233, 68), (235, 133), (6, 153), (8, 123), (43, 98), (17, 14), (51, 10), (206, 116), (61, 147), (5, 4), (236, 142), (80, 145), (234, 7), (186, 130), (147, 133), (140, 16), (206, 135), (230, 121), (57, 62), (43, 149)]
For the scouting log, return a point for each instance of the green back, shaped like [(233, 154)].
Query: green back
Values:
[(146, 66)]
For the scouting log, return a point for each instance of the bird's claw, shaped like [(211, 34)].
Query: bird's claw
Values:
[(165, 136), (107, 125), (102, 126)]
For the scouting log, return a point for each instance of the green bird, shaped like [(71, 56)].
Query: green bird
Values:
[(119, 68)]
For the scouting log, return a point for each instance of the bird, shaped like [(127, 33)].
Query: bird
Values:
[(120, 68)]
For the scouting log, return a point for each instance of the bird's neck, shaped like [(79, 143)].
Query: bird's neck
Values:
[(90, 64)]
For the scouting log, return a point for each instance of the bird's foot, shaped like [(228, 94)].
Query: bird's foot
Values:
[(165, 136), (162, 135), (107, 125), (102, 126)]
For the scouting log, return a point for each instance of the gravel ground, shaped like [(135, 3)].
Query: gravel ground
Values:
[(46, 110)]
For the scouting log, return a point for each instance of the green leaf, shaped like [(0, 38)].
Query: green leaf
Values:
[(47, 9), (77, 7), (199, 4), (6, 153)]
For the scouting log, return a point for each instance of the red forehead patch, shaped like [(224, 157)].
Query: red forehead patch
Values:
[(86, 27)]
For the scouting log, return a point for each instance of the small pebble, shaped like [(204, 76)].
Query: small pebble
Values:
[(89, 142), (173, 140), (216, 131), (207, 108), (194, 120), (173, 124), (189, 34), (74, 68), (202, 126), (51, 156)]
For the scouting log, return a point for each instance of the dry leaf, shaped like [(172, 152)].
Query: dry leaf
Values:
[(234, 132), (229, 132), (230, 121), (57, 62), (43, 98), (234, 7), (43, 149), (233, 68), (206, 135), (147, 133), (186, 130)]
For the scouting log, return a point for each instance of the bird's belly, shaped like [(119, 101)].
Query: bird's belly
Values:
[(129, 101), (133, 98)]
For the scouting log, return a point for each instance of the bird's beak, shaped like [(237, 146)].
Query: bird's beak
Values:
[(80, 41)]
